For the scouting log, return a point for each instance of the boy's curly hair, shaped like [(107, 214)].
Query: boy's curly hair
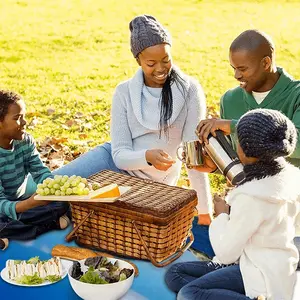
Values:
[(6, 99)]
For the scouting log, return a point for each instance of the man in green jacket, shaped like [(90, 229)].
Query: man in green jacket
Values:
[(262, 85)]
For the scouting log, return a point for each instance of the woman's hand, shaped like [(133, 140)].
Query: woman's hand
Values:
[(205, 127), (159, 159), (220, 206)]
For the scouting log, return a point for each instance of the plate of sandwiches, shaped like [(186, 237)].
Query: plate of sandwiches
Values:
[(33, 272)]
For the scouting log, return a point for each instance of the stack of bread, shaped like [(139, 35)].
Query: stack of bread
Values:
[(16, 268)]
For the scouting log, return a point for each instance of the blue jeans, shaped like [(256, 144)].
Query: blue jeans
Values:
[(33, 222), (206, 280), (91, 162), (202, 243)]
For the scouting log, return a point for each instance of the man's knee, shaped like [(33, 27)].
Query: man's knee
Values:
[(191, 292), (173, 277)]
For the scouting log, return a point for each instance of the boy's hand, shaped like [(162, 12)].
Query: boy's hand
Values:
[(36, 203), (159, 159), (205, 127), (30, 203)]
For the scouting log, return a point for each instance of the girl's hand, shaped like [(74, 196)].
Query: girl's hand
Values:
[(159, 159), (220, 206)]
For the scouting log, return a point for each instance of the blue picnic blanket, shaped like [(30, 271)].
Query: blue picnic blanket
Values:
[(148, 285)]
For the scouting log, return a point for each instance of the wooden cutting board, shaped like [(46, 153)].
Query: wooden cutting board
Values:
[(123, 190)]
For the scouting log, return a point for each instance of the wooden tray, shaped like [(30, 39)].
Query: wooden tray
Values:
[(77, 198)]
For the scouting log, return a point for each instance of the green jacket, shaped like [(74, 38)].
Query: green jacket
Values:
[(284, 96)]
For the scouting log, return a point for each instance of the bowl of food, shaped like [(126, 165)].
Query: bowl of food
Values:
[(109, 277)]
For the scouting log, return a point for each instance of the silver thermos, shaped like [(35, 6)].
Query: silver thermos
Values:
[(226, 159)]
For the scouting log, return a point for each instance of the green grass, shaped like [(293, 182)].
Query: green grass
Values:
[(70, 54)]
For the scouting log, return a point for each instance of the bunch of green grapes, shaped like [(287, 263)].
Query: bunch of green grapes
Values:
[(63, 186)]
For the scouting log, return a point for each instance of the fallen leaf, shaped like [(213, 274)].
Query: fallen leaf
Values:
[(56, 147), (50, 111), (56, 163), (33, 123), (79, 143), (77, 121), (70, 123), (55, 153), (60, 140), (31, 114), (79, 115), (83, 135), (88, 125), (89, 118), (75, 154)]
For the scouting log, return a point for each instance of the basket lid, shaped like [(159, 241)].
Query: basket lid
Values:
[(145, 195)]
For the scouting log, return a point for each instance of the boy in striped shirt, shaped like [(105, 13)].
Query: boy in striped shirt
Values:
[(22, 217)]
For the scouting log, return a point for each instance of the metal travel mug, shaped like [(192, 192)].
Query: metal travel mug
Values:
[(193, 153)]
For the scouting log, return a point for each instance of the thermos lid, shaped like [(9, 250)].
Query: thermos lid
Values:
[(239, 178)]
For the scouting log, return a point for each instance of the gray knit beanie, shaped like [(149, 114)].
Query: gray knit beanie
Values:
[(266, 134), (146, 32)]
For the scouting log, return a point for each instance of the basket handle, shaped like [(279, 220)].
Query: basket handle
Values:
[(168, 260), (70, 236)]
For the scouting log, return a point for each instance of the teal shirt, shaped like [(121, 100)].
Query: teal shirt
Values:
[(284, 96), (15, 165)]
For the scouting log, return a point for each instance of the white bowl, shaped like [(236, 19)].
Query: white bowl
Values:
[(110, 291)]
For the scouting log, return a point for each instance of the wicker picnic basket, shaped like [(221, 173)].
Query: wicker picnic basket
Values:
[(151, 221)]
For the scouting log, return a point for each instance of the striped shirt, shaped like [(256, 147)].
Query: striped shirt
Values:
[(15, 165)]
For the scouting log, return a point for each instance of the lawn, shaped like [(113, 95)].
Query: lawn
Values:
[(66, 56)]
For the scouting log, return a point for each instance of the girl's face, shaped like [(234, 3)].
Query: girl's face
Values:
[(156, 63), (13, 125), (245, 160)]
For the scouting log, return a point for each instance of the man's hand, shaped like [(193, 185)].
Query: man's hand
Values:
[(220, 206), (29, 203), (159, 159), (205, 127)]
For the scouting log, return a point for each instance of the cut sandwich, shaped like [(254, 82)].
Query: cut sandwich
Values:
[(108, 191), (17, 269)]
